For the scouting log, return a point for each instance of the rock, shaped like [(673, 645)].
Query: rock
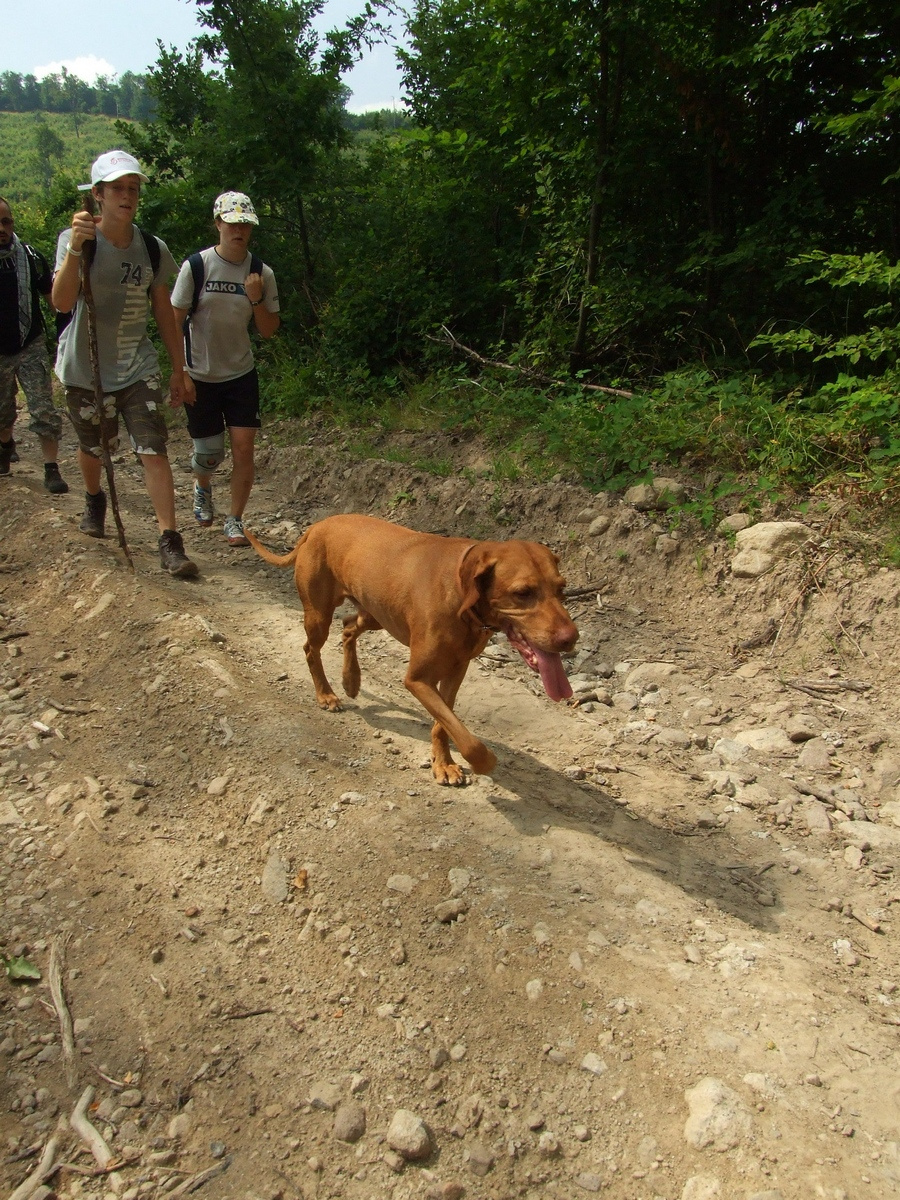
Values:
[(449, 910), (179, 1127), (451, 1190), (218, 786), (131, 1098), (890, 812), (750, 564), (767, 740), (593, 1063), (408, 1135), (816, 756), (800, 729), (733, 523), (548, 1144), (701, 1187), (649, 675), (599, 525), (324, 1095), (730, 751), (349, 1122), (718, 1118), (815, 814), (588, 1182), (275, 879), (459, 880), (534, 989), (773, 537), (853, 857), (9, 814), (642, 497), (480, 1159), (668, 492), (401, 883)]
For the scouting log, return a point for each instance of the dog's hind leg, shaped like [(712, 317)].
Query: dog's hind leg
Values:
[(353, 627)]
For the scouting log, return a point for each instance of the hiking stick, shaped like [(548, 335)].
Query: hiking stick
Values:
[(105, 455)]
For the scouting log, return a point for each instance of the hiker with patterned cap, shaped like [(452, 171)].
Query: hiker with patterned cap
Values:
[(24, 278), (129, 278), (219, 293)]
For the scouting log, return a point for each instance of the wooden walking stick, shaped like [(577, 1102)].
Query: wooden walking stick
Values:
[(90, 248)]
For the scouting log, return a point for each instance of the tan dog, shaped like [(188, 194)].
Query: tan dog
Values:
[(441, 596)]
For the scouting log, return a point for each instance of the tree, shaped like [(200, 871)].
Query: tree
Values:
[(48, 147)]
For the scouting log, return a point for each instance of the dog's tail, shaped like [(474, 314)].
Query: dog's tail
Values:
[(277, 560)]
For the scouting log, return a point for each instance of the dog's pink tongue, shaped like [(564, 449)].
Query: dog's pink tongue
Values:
[(553, 675), (549, 666)]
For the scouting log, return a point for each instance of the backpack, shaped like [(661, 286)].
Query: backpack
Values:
[(196, 264)]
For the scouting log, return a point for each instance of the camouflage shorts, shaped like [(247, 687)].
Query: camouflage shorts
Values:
[(30, 370), (140, 407)]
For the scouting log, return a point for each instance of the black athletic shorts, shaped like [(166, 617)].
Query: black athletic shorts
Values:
[(234, 403)]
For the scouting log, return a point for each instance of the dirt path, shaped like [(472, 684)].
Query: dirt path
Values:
[(638, 961)]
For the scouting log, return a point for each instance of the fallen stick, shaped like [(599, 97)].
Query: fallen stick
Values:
[(85, 1130), (57, 991), (42, 1171), (866, 921), (197, 1181), (525, 372)]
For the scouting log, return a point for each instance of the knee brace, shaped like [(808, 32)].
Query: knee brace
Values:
[(208, 453)]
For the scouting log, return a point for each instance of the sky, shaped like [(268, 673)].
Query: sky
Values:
[(118, 36)]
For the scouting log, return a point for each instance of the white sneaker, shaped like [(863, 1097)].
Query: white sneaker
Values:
[(234, 532)]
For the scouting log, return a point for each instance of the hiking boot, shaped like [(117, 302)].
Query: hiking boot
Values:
[(93, 521), (5, 458), (13, 454), (234, 532), (172, 557), (53, 481), (204, 513)]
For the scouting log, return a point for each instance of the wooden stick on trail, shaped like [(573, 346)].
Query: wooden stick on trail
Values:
[(105, 455)]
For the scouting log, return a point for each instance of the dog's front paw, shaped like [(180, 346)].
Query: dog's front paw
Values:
[(329, 702), (449, 773), (481, 760)]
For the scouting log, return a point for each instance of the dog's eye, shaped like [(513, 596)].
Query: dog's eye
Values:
[(523, 594)]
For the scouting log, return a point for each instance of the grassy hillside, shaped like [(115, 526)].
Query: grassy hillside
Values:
[(25, 169)]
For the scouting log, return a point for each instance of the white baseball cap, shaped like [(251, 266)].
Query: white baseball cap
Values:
[(235, 208), (113, 165)]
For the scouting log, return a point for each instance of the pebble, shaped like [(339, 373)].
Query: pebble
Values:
[(588, 1182), (449, 910), (408, 1135), (480, 1159), (349, 1122)]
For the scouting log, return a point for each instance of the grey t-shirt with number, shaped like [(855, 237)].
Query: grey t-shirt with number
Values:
[(119, 282), (219, 331)]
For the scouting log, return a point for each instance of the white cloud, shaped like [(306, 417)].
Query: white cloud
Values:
[(87, 68)]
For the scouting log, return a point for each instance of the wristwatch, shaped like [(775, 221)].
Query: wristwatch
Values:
[(255, 303)]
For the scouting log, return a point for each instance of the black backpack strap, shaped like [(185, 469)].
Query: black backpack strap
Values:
[(256, 265), (196, 264), (153, 252)]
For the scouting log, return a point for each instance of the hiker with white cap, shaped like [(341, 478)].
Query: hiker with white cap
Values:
[(219, 292), (129, 275)]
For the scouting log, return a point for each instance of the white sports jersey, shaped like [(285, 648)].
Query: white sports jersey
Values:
[(119, 282), (220, 328)]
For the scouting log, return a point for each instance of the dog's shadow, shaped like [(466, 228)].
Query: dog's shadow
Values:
[(535, 796)]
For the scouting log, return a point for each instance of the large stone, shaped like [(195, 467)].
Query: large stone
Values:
[(772, 537), (718, 1118), (648, 675), (750, 564), (767, 740), (408, 1135), (701, 1187), (275, 879)]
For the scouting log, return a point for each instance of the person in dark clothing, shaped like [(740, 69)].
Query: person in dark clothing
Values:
[(25, 277)]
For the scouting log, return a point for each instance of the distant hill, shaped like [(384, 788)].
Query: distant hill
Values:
[(37, 146)]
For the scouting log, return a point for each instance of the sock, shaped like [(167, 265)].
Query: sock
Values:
[(49, 468)]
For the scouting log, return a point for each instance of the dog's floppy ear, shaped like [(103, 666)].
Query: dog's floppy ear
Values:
[(472, 574)]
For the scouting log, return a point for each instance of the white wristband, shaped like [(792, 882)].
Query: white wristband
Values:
[(74, 253)]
